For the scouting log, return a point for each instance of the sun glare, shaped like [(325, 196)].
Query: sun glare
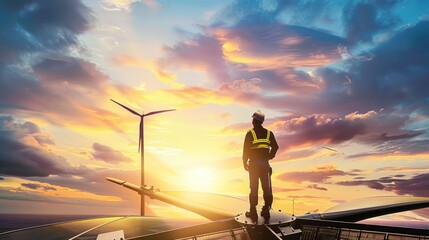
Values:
[(199, 179)]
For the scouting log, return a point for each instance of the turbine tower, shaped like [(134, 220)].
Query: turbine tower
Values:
[(141, 146)]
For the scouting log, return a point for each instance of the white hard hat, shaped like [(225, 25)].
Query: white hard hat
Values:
[(258, 115)]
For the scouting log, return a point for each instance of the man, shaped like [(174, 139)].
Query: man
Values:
[(260, 146)]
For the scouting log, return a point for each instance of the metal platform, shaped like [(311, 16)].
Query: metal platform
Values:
[(278, 226), (277, 218)]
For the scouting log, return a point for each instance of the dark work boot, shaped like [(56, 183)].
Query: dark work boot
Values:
[(252, 214), (266, 212)]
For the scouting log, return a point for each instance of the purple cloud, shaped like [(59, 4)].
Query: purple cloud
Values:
[(17, 158), (203, 53), (416, 186), (107, 154), (308, 130)]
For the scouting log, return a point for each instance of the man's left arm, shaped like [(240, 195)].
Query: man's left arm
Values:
[(274, 146), (246, 150)]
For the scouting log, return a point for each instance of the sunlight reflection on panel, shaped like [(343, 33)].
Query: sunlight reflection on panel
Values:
[(217, 201)]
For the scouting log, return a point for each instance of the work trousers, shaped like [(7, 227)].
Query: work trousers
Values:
[(260, 171)]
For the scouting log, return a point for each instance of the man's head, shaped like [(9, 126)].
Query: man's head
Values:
[(258, 118)]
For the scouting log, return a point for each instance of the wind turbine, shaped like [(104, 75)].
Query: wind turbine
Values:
[(141, 146)]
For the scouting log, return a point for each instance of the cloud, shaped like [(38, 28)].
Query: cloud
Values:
[(107, 154), (402, 169), (21, 155), (255, 45), (127, 5), (40, 26), (383, 131), (71, 73), (383, 82), (416, 186), (89, 199), (132, 61), (41, 73), (362, 20), (204, 53), (62, 92), (309, 130), (44, 140), (374, 184), (315, 186), (271, 46), (318, 175), (38, 186), (401, 148), (242, 86)]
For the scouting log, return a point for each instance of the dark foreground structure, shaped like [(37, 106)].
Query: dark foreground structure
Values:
[(337, 223), (154, 228)]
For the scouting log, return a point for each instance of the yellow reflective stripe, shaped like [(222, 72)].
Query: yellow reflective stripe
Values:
[(260, 146), (253, 134), (263, 143)]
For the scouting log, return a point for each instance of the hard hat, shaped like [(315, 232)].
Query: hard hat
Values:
[(258, 115)]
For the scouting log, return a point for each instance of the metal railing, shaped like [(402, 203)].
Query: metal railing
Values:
[(231, 234), (332, 230)]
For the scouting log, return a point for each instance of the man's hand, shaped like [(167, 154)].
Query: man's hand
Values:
[(246, 167)]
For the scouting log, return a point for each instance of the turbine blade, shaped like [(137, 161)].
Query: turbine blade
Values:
[(156, 112), (200, 208), (140, 133), (129, 109)]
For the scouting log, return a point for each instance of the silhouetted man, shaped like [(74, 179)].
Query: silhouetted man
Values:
[(260, 146)]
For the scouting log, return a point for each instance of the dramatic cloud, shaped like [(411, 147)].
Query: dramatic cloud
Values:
[(318, 128), (107, 154), (384, 131), (21, 154), (271, 46), (41, 72), (64, 92), (362, 20), (40, 26), (318, 175), (394, 78), (416, 186), (256, 46)]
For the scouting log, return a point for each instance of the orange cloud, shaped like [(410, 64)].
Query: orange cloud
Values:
[(131, 61)]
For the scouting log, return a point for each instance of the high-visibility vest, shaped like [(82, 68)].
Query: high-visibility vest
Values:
[(262, 142)]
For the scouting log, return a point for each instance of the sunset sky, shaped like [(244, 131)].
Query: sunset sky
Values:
[(344, 86)]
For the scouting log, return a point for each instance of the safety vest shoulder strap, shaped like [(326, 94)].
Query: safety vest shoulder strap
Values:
[(262, 142)]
